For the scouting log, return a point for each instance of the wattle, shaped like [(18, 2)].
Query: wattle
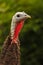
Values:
[(18, 29)]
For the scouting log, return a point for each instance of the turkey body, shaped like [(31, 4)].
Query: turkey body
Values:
[(10, 54)]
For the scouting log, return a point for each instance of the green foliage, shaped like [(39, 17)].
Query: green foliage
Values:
[(32, 34)]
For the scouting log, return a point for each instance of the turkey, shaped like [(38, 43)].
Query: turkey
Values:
[(10, 54)]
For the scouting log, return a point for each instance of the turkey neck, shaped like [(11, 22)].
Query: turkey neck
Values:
[(15, 29)]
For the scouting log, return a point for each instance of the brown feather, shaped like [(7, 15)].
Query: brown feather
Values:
[(10, 54)]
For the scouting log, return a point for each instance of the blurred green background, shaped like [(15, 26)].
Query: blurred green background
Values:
[(31, 36)]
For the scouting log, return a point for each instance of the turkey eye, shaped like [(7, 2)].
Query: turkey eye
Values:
[(18, 15)]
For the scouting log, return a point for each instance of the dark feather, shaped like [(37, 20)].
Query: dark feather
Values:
[(10, 54)]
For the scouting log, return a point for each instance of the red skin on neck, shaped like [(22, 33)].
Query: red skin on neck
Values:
[(17, 31)]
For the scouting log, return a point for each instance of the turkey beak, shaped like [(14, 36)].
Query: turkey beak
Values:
[(28, 16)]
